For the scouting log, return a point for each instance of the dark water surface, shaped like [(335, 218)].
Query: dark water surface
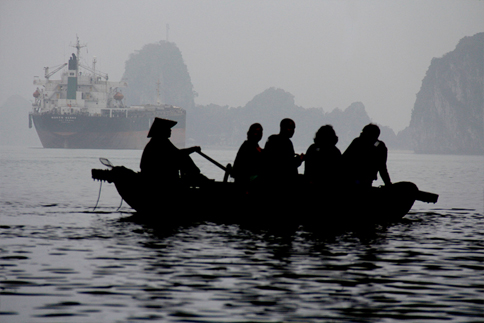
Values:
[(60, 261)]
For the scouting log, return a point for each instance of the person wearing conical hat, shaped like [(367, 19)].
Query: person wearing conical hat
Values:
[(164, 163)]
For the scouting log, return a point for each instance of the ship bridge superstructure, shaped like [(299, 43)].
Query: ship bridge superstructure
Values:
[(80, 90)]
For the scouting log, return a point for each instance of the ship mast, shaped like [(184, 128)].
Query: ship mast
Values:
[(78, 46), (72, 72), (94, 61), (158, 98)]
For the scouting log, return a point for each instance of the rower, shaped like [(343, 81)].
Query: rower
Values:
[(165, 164)]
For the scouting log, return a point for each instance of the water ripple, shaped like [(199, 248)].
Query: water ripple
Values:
[(427, 267)]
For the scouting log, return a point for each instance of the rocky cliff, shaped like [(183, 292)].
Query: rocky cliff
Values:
[(448, 116), (158, 72)]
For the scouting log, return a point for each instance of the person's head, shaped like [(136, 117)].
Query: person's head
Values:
[(370, 132), (326, 136), (287, 127), (255, 132), (161, 128)]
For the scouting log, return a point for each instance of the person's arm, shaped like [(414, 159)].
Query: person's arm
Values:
[(298, 159), (385, 176), (383, 167), (240, 161), (308, 162), (190, 150)]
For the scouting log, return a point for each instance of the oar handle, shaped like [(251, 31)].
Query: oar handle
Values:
[(427, 197), (213, 161)]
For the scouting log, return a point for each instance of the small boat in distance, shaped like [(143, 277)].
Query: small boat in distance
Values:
[(84, 110)]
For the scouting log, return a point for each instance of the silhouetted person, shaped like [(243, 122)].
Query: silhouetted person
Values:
[(323, 159), (248, 162), (280, 160), (162, 163), (365, 157)]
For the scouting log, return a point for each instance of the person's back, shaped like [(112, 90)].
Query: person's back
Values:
[(323, 159), (365, 157), (279, 154), (161, 162), (280, 160), (248, 162)]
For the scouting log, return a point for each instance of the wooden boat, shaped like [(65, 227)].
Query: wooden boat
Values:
[(230, 203)]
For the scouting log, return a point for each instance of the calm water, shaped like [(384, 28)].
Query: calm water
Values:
[(60, 261)]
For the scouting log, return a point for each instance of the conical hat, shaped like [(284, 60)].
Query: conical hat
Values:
[(159, 124)]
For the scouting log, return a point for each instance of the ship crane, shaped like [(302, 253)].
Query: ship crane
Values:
[(101, 74), (57, 69), (78, 46)]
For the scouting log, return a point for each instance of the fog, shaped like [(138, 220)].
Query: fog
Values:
[(326, 53)]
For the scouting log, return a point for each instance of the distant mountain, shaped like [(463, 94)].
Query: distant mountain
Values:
[(448, 115), (158, 66), (14, 123), (157, 72), (225, 126)]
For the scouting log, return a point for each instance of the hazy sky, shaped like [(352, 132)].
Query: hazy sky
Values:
[(326, 53)]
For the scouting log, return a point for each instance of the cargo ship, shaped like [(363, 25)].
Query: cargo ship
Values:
[(84, 110)]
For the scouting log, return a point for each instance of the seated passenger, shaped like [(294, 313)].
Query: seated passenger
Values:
[(365, 157), (323, 159), (162, 162), (248, 162), (280, 160)]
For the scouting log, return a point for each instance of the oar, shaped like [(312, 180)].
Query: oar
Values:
[(427, 197), (227, 169), (213, 161)]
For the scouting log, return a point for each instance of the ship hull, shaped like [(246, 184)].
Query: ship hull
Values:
[(98, 132)]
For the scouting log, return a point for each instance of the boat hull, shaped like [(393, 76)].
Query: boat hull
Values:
[(98, 132), (227, 202)]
